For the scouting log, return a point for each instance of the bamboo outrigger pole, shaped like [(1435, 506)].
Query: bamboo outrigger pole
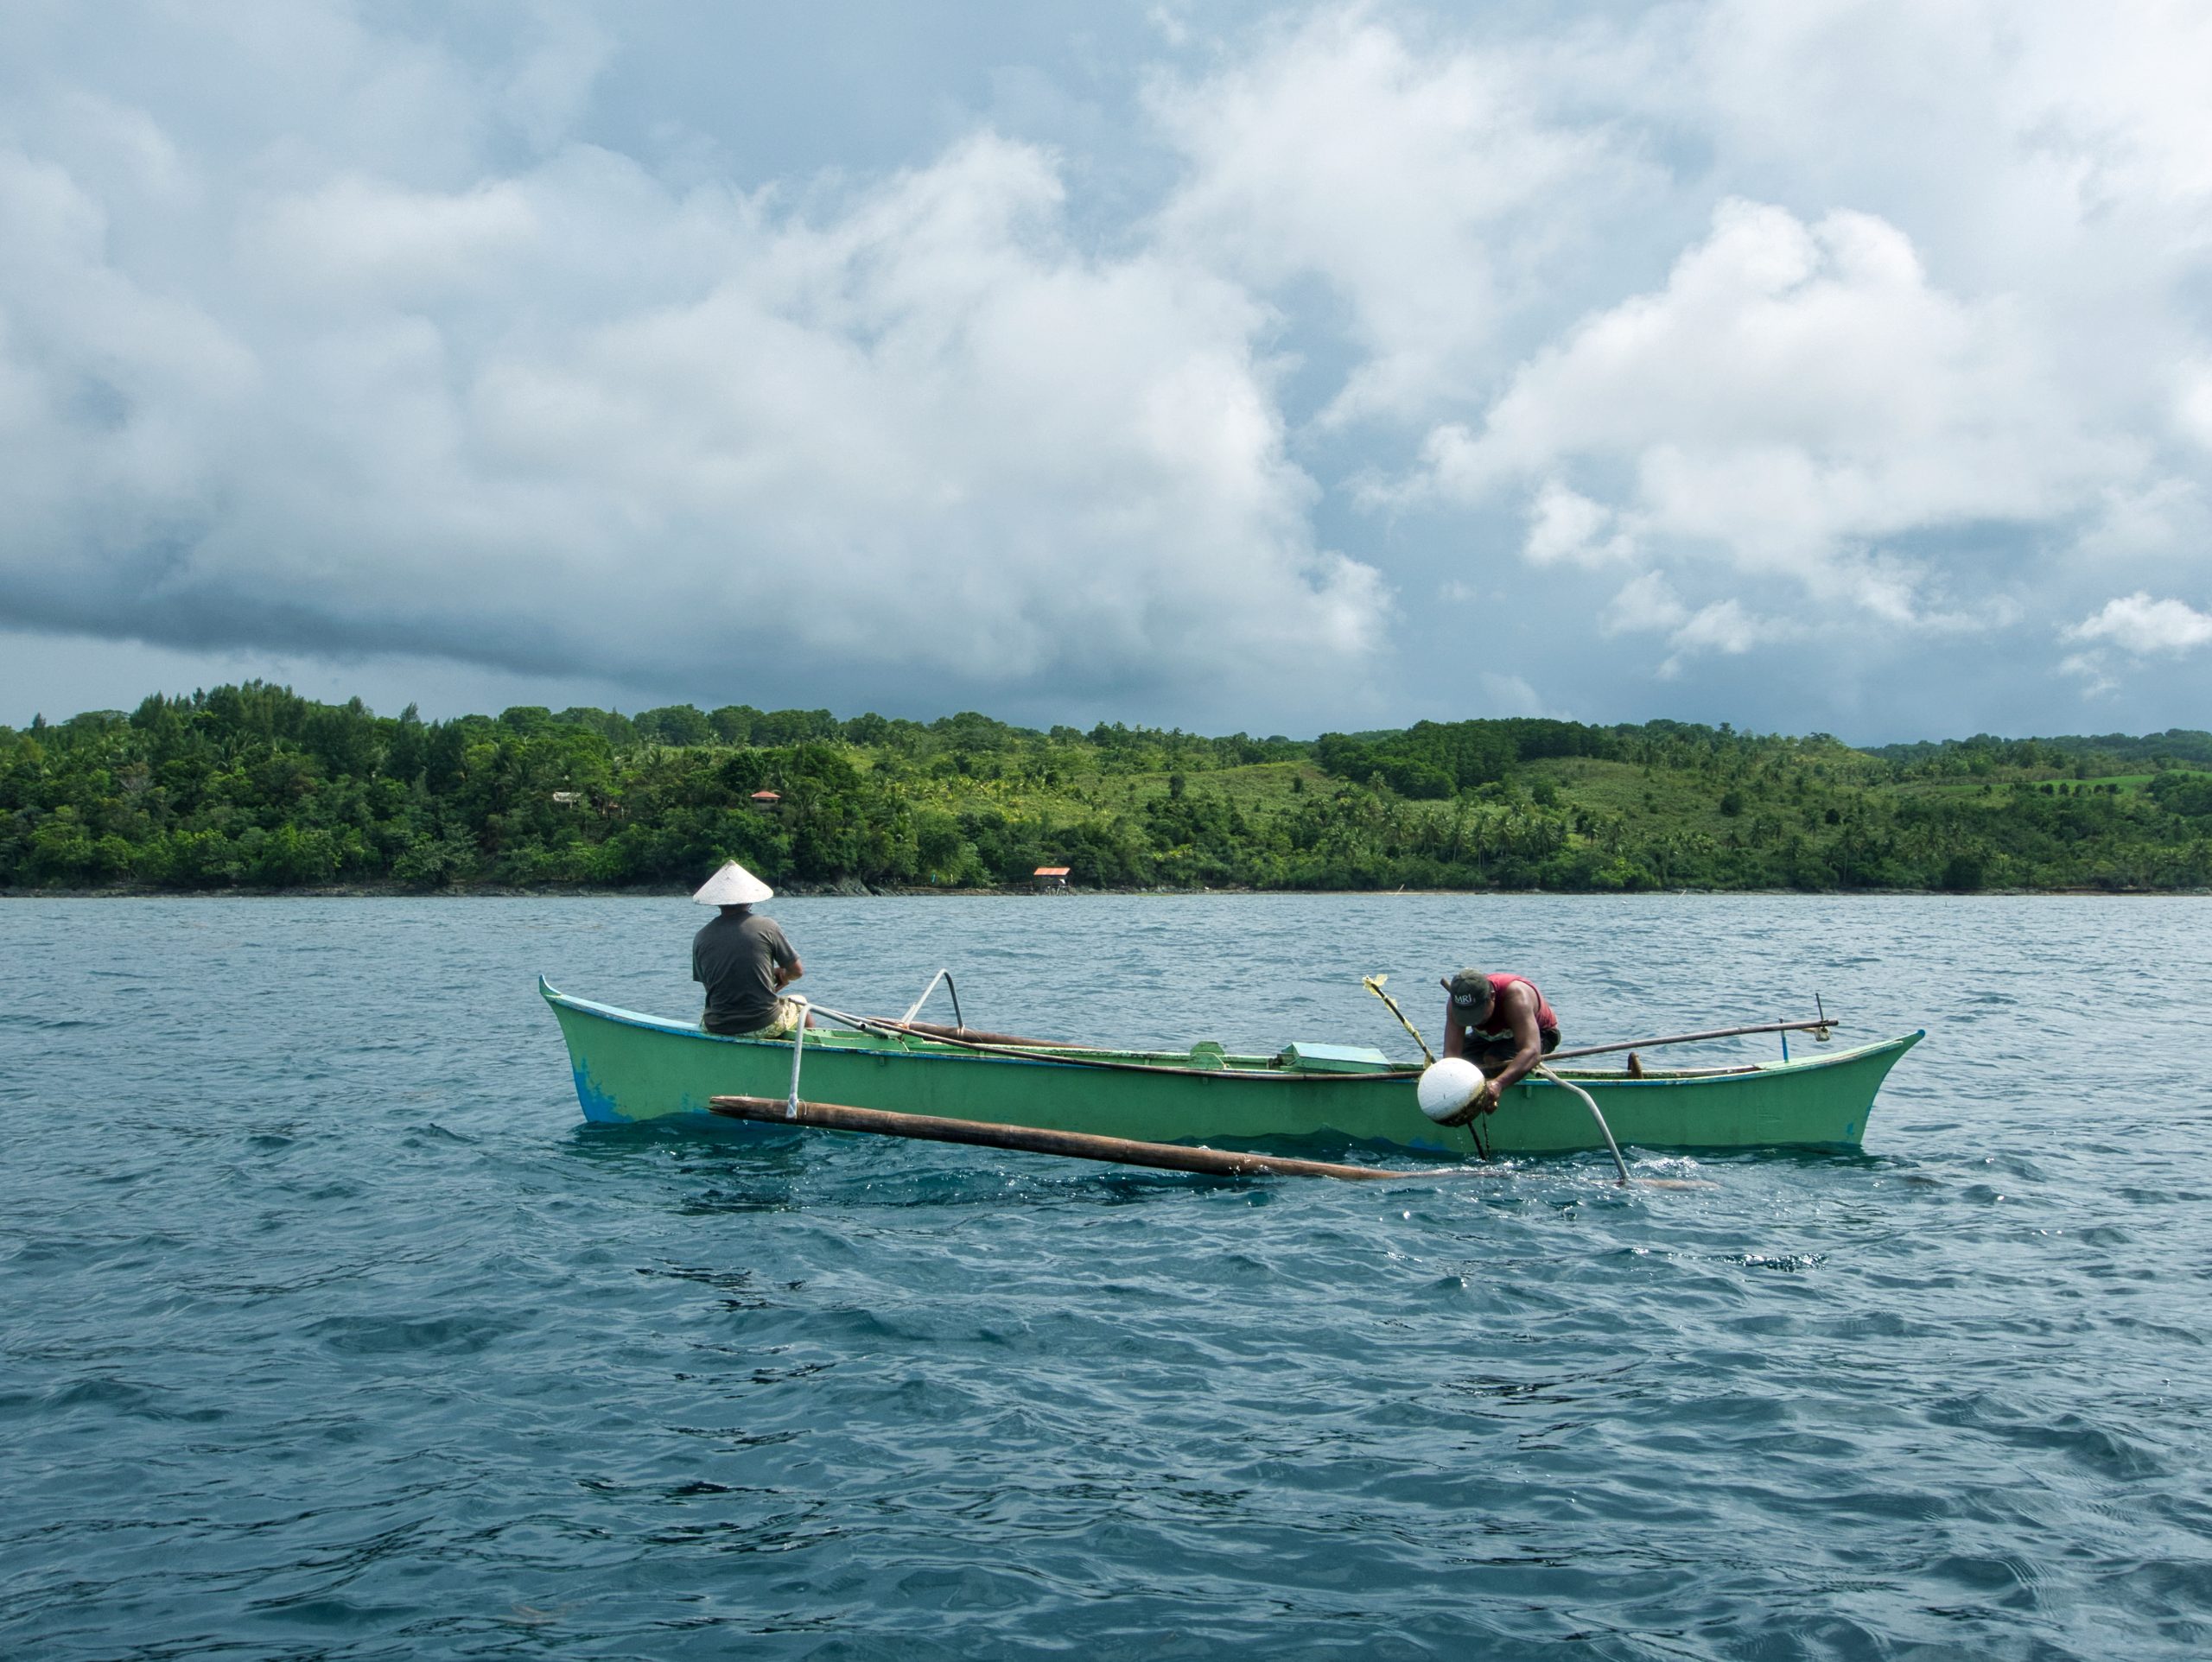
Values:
[(1081, 1146)]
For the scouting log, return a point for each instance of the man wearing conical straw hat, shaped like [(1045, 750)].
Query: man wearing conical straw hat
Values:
[(744, 960)]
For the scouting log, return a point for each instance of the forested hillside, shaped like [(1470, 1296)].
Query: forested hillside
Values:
[(252, 787)]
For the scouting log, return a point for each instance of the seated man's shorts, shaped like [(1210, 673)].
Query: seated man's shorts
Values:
[(782, 1025)]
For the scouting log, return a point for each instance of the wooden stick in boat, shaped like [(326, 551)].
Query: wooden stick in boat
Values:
[(1820, 1027), (1374, 984), (974, 1035), (1081, 1146), (970, 1036)]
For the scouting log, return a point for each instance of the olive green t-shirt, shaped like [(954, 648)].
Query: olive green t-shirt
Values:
[(736, 958)]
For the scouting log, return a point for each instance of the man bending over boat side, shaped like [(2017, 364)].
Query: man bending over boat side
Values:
[(1501, 1024), (744, 960)]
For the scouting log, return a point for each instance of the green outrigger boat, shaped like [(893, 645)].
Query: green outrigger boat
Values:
[(631, 1068)]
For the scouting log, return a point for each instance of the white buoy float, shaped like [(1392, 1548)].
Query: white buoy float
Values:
[(1448, 1087)]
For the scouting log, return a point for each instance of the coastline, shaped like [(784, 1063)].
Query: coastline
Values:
[(254, 791), (853, 889)]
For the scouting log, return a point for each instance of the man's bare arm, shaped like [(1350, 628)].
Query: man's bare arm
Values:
[(1520, 1011)]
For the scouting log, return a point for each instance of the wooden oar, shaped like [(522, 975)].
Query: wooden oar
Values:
[(1081, 1146)]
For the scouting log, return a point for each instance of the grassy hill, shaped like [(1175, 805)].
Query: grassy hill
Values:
[(253, 787)]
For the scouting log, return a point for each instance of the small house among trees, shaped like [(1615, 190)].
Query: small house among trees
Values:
[(1052, 876)]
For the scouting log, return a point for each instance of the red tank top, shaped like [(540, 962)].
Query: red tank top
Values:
[(1546, 1021)]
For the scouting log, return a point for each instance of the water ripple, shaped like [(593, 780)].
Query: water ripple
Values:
[(331, 1333)]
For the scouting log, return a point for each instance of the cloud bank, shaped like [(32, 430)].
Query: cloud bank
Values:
[(1801, 355), (568, 419)]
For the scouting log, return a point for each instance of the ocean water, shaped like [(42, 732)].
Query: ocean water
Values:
[(330, 1331)]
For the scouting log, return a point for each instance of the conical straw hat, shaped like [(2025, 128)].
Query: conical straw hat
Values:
[(733, 886)]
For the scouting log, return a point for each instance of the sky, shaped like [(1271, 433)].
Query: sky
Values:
[(1828, 367)]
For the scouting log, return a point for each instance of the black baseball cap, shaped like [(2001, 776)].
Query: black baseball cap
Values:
[(1469, 989)]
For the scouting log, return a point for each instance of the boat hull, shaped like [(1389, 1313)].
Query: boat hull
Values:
[(630, 1069)]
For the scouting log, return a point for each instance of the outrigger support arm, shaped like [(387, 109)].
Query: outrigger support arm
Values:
[(945, 975), (798, 1051), (1597, 1113)]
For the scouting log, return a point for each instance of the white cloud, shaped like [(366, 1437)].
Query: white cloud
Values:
[(1842, 324), (548, 88), (1725, 626), (1426, 187), (2193, 403), (1649, 604), (2043, 111), (369, 237), (1567, 527), (1513, 695), (561, 418), (2162, 520), (1790, 386), (1794, 395), (2095, 675), (2137, 623)]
